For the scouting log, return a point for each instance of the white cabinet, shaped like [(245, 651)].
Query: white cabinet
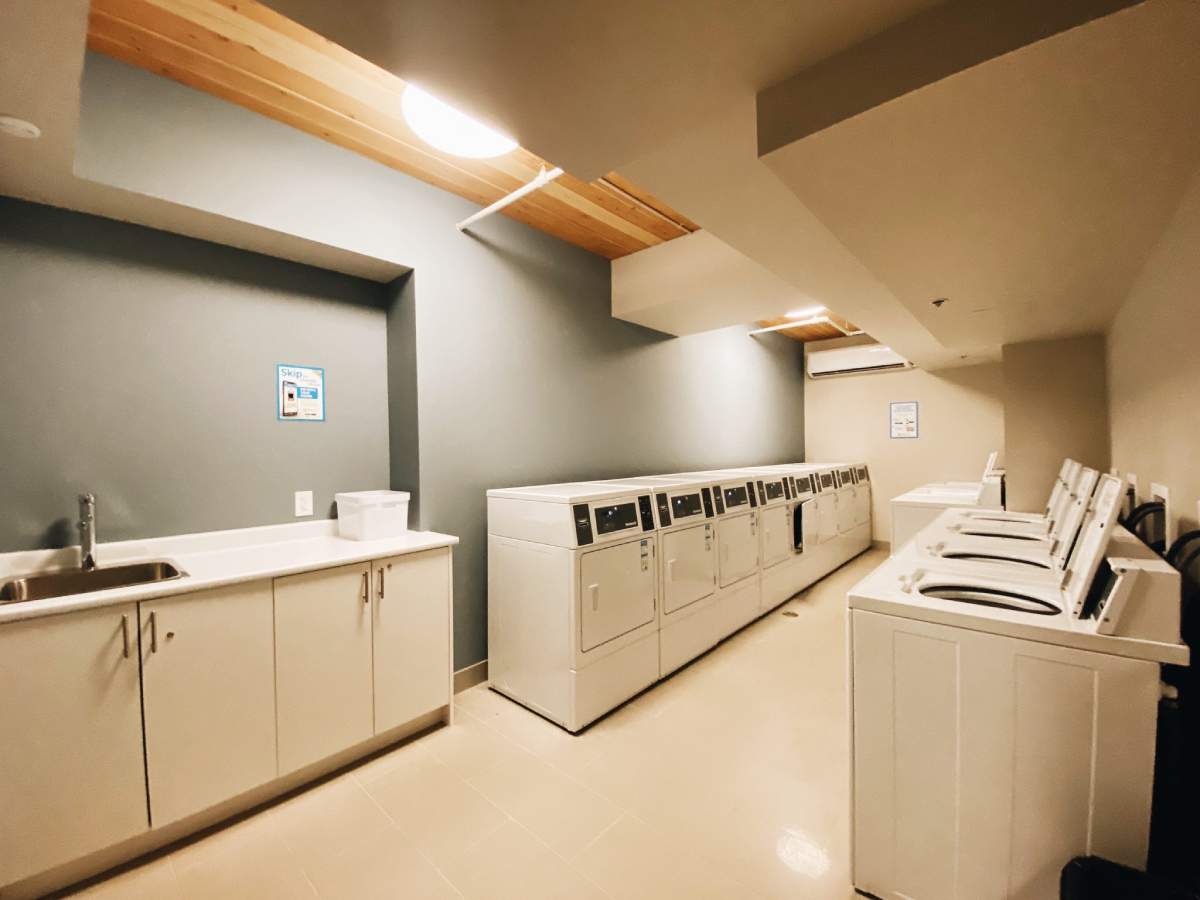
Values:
[(70, 738), (411, 636), (322, 663), (208, 683), (983, 763)]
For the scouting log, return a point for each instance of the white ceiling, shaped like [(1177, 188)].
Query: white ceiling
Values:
[(588, 85), (1029, 187), (1029, 190)]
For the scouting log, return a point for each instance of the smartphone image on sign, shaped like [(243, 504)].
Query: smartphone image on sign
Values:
[(291, 405)]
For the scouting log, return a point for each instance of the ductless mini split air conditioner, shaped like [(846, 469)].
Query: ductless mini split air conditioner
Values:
[(854, 361)]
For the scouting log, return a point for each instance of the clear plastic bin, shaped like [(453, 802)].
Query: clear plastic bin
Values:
[(372, 515)]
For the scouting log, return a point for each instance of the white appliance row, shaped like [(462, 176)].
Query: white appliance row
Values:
[(596, 590), (913, 510), (1005, 685)]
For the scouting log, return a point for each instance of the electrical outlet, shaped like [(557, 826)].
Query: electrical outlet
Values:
[(1163, 493), (304, 503)]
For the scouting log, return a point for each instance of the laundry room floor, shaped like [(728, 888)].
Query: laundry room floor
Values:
[(728, 780)]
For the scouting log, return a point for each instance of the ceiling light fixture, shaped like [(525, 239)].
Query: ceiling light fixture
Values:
[(444, 127), (19, 128), (807, 313)]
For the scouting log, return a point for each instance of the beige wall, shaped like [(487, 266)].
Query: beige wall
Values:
[(961, 422), (1154, 367), (1055, 405)]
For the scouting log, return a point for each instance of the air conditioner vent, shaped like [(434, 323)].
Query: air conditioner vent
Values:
[(854, 361)]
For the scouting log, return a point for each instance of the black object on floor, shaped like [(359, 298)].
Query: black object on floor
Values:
[(1093, 878)]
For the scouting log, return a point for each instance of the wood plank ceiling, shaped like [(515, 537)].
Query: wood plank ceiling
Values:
[(245, 53), (815, 331)]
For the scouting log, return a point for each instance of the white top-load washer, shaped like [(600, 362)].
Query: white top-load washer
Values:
[(1060, 494), (914, 509), (1005, 722), (573, 595), (987, 493), (975, 540)]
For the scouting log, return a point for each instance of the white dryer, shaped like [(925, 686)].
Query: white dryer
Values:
[(573, 596), (739, 551), (782, 533), (840, 506), (689, 617)]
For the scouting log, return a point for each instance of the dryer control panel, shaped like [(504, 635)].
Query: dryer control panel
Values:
[(678, 506), (735, 496), (602, 521)]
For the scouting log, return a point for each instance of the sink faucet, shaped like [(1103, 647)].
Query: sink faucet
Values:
[(87, 531)]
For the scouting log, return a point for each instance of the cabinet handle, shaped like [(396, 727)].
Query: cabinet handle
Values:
[(125, 636), (594, 589), (153, 632), (381, 584), (670, 570), (366, 588)]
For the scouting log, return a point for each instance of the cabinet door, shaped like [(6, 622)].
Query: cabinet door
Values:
[(70, 738), (688, 567), (411, 634), (322, 663), (983, 763), (208, 682)]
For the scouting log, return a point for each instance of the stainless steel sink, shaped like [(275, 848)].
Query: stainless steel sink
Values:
[(41, 586)]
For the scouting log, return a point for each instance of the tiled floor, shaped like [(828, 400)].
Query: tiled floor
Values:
[(729, 780)]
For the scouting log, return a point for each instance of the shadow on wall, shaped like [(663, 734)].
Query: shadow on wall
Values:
[(132, 247)]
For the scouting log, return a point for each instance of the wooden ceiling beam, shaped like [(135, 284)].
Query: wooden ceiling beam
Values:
[(250, 55)]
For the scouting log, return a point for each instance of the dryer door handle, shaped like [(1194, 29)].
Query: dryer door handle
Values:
[(594, 590)]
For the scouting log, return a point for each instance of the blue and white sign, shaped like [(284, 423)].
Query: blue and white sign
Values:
[(300, 393)]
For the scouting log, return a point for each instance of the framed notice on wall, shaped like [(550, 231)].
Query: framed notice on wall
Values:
[(300, 393), (904, 419)]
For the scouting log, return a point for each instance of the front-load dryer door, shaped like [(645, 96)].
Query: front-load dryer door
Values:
[(689, 566), (845, 510), (616, 591), (827, 526), (739, 547), (862, 504), (776, 534), (806, 524)]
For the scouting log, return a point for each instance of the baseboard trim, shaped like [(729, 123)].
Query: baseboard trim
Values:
[(469, 676)]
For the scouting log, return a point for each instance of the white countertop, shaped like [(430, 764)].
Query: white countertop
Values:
[(212, 559)]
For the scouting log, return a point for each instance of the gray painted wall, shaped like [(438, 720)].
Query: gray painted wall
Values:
[(543, 385), (140, 365), (522, 375)]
